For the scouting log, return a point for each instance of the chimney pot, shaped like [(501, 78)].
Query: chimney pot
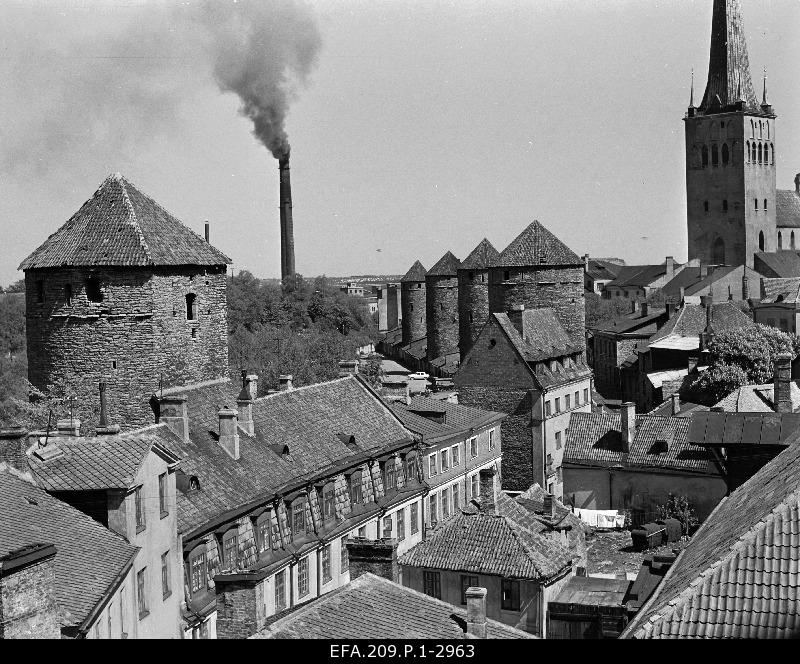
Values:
[(627, 424), (703, 270), (586, 262), (173, 413), (645, 308), (549, 506), (228, 434), (476, 612), (13, 441), (782, 395), (285, 382), (488, 484), (676, 404)]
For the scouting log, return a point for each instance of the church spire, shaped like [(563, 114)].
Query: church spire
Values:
[(691, 91), (728, 64), (764, 97)]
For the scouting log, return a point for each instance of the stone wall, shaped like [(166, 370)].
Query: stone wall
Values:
[(441, 312), (136, 334), (412, 305), (28, 607), (473, 306)]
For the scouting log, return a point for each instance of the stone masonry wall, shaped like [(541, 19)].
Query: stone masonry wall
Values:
[(412, 305), (27, 603), (473, 307), (137, 333), (441, 312)]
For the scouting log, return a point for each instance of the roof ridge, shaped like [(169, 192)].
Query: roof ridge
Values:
[(117, 177), (303, 388), (178, 389)]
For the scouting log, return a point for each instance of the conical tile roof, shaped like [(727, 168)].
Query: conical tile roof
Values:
[(537, 246), (119, 225), (446, 266), (482, 256), (416, 272)]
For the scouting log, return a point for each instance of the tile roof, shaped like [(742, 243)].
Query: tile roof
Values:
[(415, 273), (686, 409), (728, 429), (417, 348), (119, 225), (602, 269), (371, 607), (659, 442), (787, 208), (632, 322), (593, 591), (738, 576), (446, 266), (756, 399), (458, 419), (489, 543), (786, 289), (307, 420), (482, 256), (89, 557), (690, 320), (101, 462), (784, 263), (537, 246), (639, 275)]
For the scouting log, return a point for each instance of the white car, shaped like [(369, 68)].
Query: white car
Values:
[(418, 375)]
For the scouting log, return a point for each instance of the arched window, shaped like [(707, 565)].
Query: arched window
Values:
[(752, 129), (791, 241), (748, 152), (766, 153), (755, 204), (726, 156), (767, 129), (68, 294), (761, 241), (760, 154), (761, 129), (780, 240), (93, 291), (191, 306), (705, 156), (718, 252), (714, 155), (755, 158), (725, 206)]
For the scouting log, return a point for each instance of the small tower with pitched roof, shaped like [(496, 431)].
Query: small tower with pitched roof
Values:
[(126, 292), (473, 293), (441, 307), (730, 154), (412, 303)]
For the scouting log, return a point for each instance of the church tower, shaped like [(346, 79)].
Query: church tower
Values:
[(730, 154)]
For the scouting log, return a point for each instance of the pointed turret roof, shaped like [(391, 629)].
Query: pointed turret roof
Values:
[(537, 246), (482, 256), (119, 225), (446, 266), (728, 66), (416, 272)]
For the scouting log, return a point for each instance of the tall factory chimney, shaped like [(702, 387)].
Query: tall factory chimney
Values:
[(287, 229)]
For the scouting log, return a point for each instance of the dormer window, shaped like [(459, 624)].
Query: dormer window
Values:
[(262, 531), (356, 492), (298, 516), (328, 502), (411, 468), (230, 548), (197, 570), (389, 475)]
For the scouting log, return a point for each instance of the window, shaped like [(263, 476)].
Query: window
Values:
[(162, 494), (445, 505), (566, 402), (40, 291), (714, 155), (549, 459), (473, 447), (510, 598), (355, 488), (558, 404), (476, 487), (166, 591), (791, 241), (328, 502), (93, 291), (68, 294), (755, 203), (577, 397), (726, 155), (389, 475), (411, 468), (326, 564), (262, 532), (761, 240), (191, 306), (401, 525), (558, 440), (506, 275), (780, 240), (454, 455), (197, 569), (230, 548), (302, 577), (456, 498), (467, 582), (765, 205), (748, 151), (344, 559), (585, 395), (705, 155), (140, 514), (204, 629), (280, 590), (141, 592), (299, 517), (547, 409), (432, 514), (432, 584), (443, 461), (415, 518), (760, 154), (432, 465), (387, 526), (766, 153), (491, 439)]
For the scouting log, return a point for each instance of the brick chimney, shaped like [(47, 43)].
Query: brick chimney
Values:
[(669, 264), (244, 404), (174, 413), (285, 382), (28, 605), (708, 333), (488, 482), (549, 506), (676, 403), (745, 286), (670, 308), (586, 262), (228, 435), (13, 444), (782, 395), (103, 427), (241, 608), (515, 314), (627, 414), (476, 612), (379, 557)]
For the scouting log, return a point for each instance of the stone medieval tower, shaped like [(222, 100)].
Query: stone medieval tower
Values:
[(441, 307), (538, 270), (473, 293), (412, 303), (730, 154), (125, 291)]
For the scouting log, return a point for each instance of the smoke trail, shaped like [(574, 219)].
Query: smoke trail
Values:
[(263, 49)]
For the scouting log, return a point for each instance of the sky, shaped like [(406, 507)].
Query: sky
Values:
[(415, 127)]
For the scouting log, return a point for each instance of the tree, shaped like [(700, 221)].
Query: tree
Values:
[(371, 370), (744, 356), (657, 299), (599, 310), (678, 507)]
